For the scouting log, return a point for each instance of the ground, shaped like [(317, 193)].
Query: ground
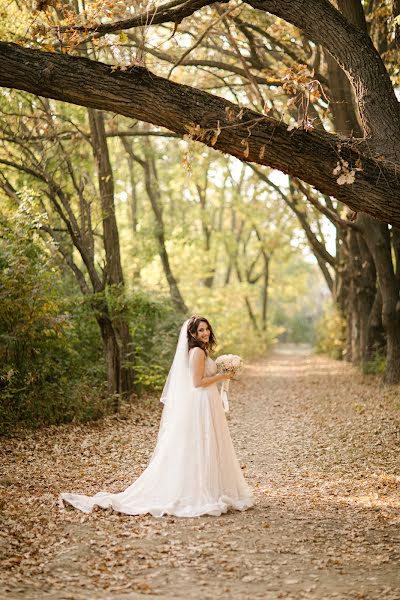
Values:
[(317, 442)]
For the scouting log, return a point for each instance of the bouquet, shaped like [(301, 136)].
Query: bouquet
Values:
[(227, 363)]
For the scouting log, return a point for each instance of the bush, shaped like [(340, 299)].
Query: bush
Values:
[(155, 327), (377, 365), (49, 346), (52, 364), (331, 332)]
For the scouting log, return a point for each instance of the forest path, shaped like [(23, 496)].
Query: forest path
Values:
[(317, 442)]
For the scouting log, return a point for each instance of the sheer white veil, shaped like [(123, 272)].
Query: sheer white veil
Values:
[(179, 371), (178, 393)]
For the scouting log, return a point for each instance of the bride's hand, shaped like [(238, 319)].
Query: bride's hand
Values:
[(226, 376)]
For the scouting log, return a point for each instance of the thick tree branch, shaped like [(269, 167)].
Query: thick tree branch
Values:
[(309, 155), (354, 51)]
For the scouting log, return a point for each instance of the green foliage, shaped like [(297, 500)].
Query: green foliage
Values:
[(155, 328), (226, 234), (377, 365), (223, 307), (296, 298), (298, 328), (48, 340), (52, 365), (331, 332)]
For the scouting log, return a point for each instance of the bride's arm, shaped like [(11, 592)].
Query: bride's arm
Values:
[(199, 360)]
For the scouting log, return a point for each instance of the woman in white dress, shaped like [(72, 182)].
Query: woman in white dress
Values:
[(193, 470)]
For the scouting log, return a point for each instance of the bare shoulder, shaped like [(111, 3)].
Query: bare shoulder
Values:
[(197, 353)]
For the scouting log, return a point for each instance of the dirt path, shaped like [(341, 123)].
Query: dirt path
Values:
[(317, 442)]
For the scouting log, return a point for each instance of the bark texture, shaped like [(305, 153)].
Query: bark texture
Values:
[(119, 348), (377, 238), (245, 134), (354, 51)]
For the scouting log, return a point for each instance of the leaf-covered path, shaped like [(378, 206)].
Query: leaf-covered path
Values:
[(317, 442)]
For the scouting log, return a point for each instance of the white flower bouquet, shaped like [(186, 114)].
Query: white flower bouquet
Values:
[(227, 363)]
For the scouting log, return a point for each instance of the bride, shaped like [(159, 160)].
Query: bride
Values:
[(193, 470)]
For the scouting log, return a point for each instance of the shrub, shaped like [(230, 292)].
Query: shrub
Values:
[(377, 365), (47, 350), (331, 332), (155, 327)]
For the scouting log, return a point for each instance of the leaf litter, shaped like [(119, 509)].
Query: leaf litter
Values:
[(317, 442)]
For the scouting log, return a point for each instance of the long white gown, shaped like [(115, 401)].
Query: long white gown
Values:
[(191, 472)]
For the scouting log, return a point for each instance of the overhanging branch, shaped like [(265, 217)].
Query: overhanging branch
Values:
[(249, 136), (354, 51)]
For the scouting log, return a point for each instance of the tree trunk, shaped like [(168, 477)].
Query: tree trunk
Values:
[(134, 197), (106, 188), (343, 105), (366, 293), (155, 201), (341, 282), (354, 51), (375, 342), (112, 357), (264, 297), (207, 231), (362, 273), (134, 207), (113, 271), (354, 325), (377, 238)]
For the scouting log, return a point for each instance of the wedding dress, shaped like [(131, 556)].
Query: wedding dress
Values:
[(193, 470)]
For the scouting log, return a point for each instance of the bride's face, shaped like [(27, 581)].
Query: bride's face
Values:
[(203, 332)]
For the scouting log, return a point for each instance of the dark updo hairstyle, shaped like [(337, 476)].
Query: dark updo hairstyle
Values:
[(193, 342)]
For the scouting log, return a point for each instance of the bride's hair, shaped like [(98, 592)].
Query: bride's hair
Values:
[(193, 342)]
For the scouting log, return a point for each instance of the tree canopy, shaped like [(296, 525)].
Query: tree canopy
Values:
[(360, 172)]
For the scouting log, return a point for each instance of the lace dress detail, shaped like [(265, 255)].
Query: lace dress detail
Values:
[(192, 473)]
